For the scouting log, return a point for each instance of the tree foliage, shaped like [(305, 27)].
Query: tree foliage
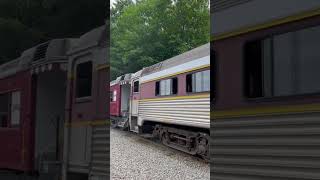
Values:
[(150, 31), (26, 23)]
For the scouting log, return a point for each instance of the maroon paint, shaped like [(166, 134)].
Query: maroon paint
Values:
[(88, 109), (16, 140), (115, 105)]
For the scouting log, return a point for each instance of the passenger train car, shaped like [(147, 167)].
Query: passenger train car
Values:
[(266, 117), (53, 112), (119, 100), (171, 100)]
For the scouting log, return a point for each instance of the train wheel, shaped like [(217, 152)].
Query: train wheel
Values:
[(165, 138), (203, 146)]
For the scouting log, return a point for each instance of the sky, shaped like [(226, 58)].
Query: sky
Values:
[(111, 2)]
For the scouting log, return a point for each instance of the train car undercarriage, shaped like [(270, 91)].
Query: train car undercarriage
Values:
[(191, 142)]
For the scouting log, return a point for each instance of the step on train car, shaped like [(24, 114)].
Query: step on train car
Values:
[(171, 101), (266, 118), (50, 100)]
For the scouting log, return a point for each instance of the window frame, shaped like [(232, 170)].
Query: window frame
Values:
[(9, 124), (266, 35), (191, 74), (133, 87), (111, 96), (171, 85), (84, 98)]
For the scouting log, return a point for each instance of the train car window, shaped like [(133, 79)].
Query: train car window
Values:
[(174, 85), (15, 108), (111, 96), (136, 86), (114, 96), (157, 88), (253, 69), (4, 109), (214, 65), (283, 65), (198, 82), (84, 79), (167, 87)]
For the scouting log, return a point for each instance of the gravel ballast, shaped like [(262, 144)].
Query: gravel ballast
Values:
[(134, 157)]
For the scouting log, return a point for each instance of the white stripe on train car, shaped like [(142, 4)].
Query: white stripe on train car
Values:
[(176, 69)]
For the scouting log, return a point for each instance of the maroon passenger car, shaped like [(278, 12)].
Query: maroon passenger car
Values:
[(54, 107)]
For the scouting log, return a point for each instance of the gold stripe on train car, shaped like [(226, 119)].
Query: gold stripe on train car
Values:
[(70, 76), (177, 73), (87, 123), (265, 111), (177, 98), (102, 66), (296, 17)]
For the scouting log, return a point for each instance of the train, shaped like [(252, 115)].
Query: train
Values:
[(169, 100), (265, 117), (54, 110)]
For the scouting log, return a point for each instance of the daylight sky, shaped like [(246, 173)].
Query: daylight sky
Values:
[(111, 2)]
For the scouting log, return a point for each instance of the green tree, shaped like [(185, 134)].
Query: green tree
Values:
[(150, 31), (26, 23)]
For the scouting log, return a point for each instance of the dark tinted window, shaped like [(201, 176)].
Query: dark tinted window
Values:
[(158, 88), (136, 86), (253, 69), (4, 109), (84, 79), (213, 74)]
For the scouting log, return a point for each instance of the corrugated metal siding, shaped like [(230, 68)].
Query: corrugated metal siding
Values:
[(194, 112), (100, 151), (134, 107), (285, 147), (218, 5)]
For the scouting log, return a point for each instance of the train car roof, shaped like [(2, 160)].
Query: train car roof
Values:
[(124, 79), (188, 56), (95, 37), (49, 52), (10, 68), (236, 16), (56, 50)]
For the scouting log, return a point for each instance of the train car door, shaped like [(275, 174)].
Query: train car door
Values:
[(81, 113), (134, 105)]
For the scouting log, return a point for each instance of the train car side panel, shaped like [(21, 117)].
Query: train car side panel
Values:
[(15, 153), (188, 109), (115, 100)]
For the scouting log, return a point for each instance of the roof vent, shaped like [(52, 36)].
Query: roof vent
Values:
[(41, 52)]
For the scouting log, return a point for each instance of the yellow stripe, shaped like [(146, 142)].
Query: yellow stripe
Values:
[(177, 97), (88, 123), (265, 111), (102, 66), (181, 72), (70, 76), (288, 19)]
